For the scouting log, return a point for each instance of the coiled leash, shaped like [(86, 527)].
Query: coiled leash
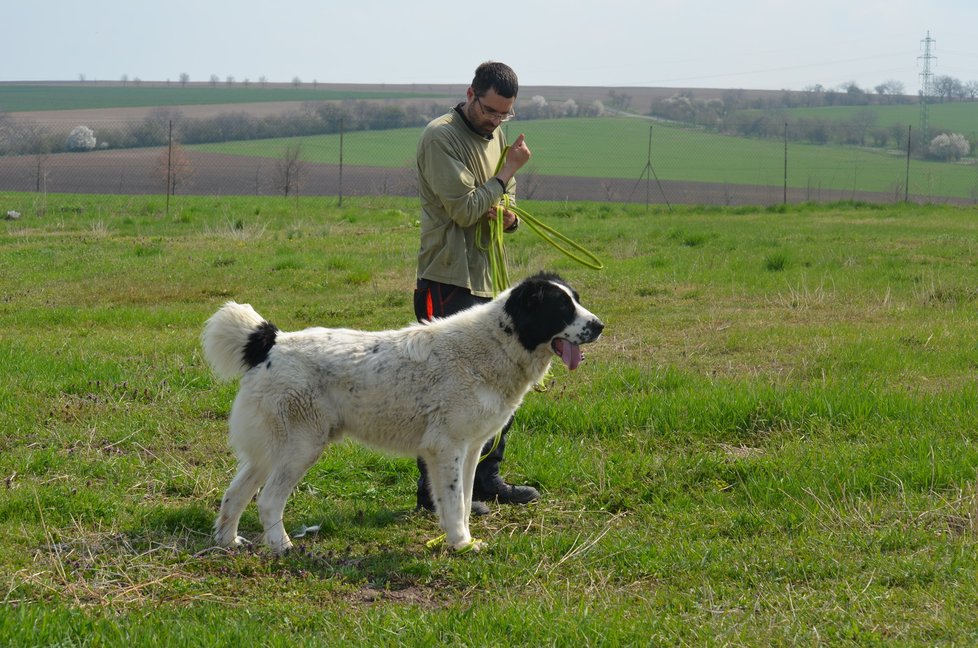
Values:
[(496, 252)]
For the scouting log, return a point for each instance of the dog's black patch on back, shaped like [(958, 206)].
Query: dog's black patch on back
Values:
[(259, 343), (539, 309)]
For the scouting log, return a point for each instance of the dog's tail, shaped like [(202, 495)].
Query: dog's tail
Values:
[(235, 339)]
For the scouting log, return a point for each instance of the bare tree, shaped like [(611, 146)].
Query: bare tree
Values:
[(184, 79), (891, 90), (971, 90), (289, 170), (174, 168), (948, 88)]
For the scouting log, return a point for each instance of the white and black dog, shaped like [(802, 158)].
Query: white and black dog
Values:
[(437, 390)]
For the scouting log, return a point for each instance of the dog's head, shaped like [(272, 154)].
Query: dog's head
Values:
[(544, 309)]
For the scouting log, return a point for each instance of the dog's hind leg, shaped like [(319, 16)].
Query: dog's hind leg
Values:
[(282, 480), (243, 487)]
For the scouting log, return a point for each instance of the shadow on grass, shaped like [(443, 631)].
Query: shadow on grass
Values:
[(343, 545)]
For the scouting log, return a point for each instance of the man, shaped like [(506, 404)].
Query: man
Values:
[(457, 156)]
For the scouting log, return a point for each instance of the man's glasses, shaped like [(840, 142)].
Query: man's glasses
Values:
[(494, 114)]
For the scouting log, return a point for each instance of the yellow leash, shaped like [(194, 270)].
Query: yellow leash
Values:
[(497, 254)]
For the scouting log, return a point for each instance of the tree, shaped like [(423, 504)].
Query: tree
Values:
[(184, 79), (289, 170), (174, 168), (890, 89), (949, 147), (619, 100), (948, 88), (81, 138)]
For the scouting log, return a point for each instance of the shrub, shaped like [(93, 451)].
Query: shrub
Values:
[(949, 147), (81, 138)]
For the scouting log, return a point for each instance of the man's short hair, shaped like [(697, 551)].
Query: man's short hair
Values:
[(493, 75)]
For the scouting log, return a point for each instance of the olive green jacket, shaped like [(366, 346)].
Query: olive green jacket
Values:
[(457, 188)]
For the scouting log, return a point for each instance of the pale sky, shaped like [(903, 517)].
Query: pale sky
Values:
[(750, 44)]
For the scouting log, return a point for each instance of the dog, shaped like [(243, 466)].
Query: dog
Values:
[(436, 390)]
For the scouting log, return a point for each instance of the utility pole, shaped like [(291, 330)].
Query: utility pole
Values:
[(926, 86)]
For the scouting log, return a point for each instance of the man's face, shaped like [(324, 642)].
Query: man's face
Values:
[(485, 113)]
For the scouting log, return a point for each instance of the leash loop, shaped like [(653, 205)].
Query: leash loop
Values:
[(497, 256)]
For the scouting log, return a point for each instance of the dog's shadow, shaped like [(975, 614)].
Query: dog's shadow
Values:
[(361, 556)]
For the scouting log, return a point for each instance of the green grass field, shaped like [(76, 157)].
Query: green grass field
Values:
[(21, 98), (774, 443), (619, 148), (955, 116)]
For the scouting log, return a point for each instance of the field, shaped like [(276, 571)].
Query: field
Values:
[(19, 98), (774, 443), (619, 148), (594, 159), (956, 117)]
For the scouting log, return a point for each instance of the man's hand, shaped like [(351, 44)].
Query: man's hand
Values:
[(509, 218), (517, 155)]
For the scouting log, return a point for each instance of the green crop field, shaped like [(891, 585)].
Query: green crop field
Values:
[(619, 148), (20, 98), (957, 117), (773, 443)]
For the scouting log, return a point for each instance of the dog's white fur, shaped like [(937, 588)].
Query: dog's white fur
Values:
[(437, 391)]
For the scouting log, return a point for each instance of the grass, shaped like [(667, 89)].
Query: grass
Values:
[(773, 443)]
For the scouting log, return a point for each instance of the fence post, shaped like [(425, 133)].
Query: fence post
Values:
[(785, 163), (169, 167), (906, 183), (341, 164)]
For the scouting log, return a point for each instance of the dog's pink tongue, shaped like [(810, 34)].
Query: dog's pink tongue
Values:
[(570, 353)]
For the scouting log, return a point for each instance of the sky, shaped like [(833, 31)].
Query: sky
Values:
[(748, 44)]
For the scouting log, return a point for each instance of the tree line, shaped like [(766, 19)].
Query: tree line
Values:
[(739, 114)]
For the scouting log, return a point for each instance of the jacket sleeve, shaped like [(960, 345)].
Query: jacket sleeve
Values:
[(463, 198)]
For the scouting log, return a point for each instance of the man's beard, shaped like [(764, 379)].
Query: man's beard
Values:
[(484, 127)]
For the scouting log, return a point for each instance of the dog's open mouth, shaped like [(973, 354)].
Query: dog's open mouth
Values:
[(569, 352)]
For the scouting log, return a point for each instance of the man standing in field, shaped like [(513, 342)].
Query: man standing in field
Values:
[(457, 157)]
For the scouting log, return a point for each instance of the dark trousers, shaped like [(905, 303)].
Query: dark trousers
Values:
[(433, 299)]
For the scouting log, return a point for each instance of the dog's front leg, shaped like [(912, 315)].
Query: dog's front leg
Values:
[(468, 476), (446, 471)]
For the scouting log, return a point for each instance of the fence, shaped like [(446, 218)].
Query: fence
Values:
[(645, 162)]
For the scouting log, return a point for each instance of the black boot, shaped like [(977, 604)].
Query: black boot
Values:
[(424, 494), (489, 485)]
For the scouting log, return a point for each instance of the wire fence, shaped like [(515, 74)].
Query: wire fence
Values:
[(648, 162)]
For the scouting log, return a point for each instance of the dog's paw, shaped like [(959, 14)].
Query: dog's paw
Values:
[(235, 543), (281, 548), (472, 546)]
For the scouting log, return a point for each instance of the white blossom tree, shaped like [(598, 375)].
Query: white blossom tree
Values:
[(81, 138), (949, 147)]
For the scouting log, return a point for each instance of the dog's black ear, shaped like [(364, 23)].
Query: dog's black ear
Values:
[(535, 294)]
